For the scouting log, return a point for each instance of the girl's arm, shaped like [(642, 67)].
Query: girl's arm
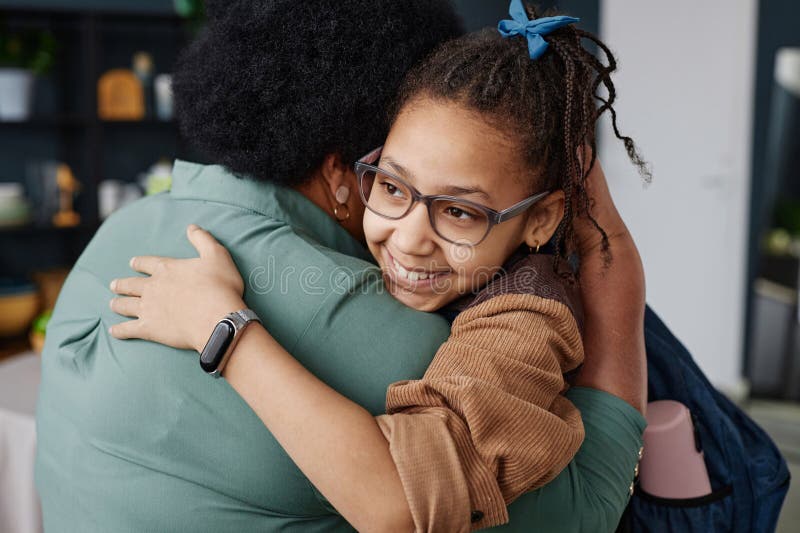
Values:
[(335, 442)]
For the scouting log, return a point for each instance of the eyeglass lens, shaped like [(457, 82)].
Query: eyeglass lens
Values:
[(455, 221)]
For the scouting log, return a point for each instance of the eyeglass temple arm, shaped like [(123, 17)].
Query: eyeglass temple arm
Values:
[(516, 209), (371, 157)]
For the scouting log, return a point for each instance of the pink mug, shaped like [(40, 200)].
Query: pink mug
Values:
[(671, 466)]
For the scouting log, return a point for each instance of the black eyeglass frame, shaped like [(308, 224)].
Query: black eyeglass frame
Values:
[(494, 217)]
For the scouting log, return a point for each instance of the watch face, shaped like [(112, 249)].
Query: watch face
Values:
[(216, 347)]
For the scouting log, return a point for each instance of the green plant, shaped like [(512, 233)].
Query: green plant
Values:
[(787, 216), (194, 11), (28, 50), (40, 324)]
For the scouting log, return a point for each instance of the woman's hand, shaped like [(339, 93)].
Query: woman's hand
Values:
[(181, 300)]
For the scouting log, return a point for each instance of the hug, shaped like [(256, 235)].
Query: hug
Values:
[(472, 352)]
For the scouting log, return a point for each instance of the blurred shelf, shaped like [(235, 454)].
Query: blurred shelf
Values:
[(47, 122), (81, 121), (143, 122), (118, 8), (94, 36), (34, 229)]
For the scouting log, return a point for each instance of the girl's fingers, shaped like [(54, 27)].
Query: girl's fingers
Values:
[(129, 286), (203, 241), (126, 330), (126, 306), (147, 264)]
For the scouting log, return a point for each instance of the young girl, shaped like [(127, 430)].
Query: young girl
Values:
[(481, 168)]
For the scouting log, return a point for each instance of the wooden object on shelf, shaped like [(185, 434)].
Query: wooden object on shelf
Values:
[(17, 311), (67, 187), (49, 283), (37, 342), (120, 96)]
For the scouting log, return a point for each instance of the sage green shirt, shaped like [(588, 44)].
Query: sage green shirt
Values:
[(133, 436)]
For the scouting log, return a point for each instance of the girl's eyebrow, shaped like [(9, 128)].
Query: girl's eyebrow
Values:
[(450, 190)]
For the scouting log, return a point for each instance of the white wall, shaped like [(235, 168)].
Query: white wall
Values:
[(685, 87)]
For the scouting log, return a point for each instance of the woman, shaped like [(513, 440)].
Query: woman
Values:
[(178, 290)]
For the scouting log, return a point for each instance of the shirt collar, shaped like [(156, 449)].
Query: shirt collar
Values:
[(215, 183)]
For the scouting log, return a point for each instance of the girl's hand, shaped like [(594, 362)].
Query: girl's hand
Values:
[(181, 300)]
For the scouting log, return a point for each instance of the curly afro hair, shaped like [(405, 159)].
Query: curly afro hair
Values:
[(270, 87)]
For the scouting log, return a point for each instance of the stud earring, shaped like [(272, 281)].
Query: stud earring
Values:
[(341, 211)]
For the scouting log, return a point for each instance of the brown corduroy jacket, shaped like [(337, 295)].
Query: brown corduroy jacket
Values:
[(489, 421)]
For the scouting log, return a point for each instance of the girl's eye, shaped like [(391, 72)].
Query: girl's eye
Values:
[(459, 214), (392, 189)]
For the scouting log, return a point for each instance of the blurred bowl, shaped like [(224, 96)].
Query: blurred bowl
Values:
[(19, 304), (14, 208)]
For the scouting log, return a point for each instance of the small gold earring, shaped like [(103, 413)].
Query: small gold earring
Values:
[(341, 212), (536, 251)]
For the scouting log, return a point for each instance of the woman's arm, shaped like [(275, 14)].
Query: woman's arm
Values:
[(613, 297)]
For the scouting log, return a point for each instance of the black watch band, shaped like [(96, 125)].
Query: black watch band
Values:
[(223, 340)]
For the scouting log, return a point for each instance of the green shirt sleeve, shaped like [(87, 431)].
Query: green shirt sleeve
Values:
[(361, 339), (593, 491)]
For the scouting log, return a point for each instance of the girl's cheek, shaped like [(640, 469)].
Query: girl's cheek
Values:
[(376, 230)]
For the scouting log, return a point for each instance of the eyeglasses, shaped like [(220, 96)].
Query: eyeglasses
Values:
[(455, 220)]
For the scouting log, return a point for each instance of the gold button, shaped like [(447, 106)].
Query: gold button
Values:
[(641, 453), (636, 471), (630, 489)]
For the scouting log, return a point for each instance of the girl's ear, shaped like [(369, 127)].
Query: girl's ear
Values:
[(544, 219)]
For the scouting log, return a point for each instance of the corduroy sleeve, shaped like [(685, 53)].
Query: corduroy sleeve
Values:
[(488, 421)]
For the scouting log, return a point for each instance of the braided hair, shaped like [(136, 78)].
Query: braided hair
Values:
[(550, 105)]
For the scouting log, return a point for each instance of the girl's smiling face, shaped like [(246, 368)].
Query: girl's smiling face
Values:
[(442, 148)]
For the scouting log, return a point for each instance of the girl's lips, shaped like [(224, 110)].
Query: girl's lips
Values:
[(408, 278)]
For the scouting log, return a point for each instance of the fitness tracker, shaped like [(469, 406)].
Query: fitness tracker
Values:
[(223, 340)]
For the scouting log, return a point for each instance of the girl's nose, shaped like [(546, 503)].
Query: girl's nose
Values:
[(413, 234)]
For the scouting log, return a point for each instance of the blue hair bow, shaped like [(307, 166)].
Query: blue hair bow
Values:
[(532, 29)]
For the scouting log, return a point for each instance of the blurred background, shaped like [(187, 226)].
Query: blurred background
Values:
[(709, 90)]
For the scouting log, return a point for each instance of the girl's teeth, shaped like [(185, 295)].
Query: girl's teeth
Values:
[(412, 276), (400, 270)]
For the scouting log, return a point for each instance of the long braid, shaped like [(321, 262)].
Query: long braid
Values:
[(565, 234)]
